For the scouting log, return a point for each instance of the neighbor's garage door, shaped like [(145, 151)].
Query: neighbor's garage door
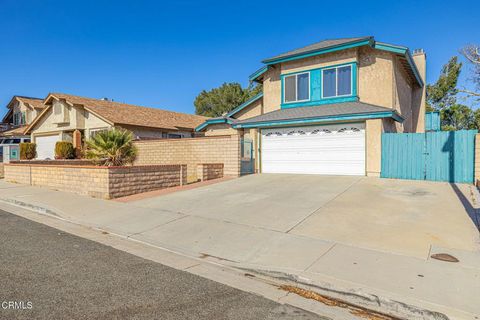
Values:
[(46, 146), (333, 149)]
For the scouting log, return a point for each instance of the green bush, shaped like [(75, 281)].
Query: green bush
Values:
[(28, 151), (64, 150)]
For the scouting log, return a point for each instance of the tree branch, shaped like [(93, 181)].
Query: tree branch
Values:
[(471, 93)]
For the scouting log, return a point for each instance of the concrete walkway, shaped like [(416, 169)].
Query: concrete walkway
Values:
[(407, 286)]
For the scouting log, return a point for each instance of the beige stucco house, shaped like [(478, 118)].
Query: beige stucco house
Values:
[(324, 107), (21, 111), (66, 114)]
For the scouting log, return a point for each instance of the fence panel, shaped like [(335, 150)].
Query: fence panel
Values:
[(403, 156), (436, 156)]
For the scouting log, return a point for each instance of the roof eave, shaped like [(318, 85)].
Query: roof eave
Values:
[(254, 76), (402, 51), (244, 105), (311, 120), (212, 121)]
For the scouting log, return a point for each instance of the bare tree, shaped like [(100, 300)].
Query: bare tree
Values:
[(472, 54)]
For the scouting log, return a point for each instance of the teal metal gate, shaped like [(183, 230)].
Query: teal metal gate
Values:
[(435, 156)]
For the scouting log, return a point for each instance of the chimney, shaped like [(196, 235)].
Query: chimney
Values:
[(419, 94)]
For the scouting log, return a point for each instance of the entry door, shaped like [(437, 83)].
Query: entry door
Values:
[(46, 146), (329, 150)]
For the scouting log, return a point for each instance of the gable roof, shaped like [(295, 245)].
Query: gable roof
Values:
[(317, 47), (18, 131), (332, 45), (34, 103), (324, 112), (117, 113)]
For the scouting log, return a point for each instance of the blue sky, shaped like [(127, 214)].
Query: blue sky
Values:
[(163, 54)]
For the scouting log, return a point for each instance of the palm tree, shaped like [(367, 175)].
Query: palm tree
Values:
[(112, 147)]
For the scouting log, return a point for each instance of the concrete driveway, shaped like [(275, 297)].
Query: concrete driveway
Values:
[(396, 216)]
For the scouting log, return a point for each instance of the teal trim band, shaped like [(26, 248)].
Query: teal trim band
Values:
[(316, 87), (258, 73), (403, 51), (212, 121), (244, 105), (347, 117), (319, 102), (389, 47), (344, 46)]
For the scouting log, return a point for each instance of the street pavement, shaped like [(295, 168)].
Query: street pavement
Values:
[(48, 274)]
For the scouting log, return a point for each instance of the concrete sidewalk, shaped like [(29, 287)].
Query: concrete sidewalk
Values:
[(405, 286)]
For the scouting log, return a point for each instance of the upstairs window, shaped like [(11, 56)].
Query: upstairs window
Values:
[(337, 82), (297, 87)]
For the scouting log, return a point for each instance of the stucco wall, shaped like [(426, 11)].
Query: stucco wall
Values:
[(419, 94), (194, 151), (253, 110), (78, 119), (375, 77), (373, 136), (271, 90), (30, 113), (220, 129)]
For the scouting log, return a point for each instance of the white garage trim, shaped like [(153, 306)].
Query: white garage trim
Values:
[(46, 146), (330, 149)]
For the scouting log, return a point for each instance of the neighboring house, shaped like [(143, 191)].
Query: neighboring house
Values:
[(21, 112), (323, 107), (65, 114)]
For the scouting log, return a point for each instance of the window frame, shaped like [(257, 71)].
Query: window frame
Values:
[(93, 131), (336, 81), (296, 87)]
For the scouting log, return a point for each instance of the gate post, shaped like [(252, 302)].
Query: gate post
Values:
[(373, 137), (477, 160)]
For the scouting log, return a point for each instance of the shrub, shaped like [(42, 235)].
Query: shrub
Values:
[(64, 150), (112, 147), (28, 151)]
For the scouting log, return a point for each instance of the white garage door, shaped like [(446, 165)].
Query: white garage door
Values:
[(46, 146), (332, 149)]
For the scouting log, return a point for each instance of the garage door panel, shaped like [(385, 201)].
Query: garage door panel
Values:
[(46, 146), (334, 149)]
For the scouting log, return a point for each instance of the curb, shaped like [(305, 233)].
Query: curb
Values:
[(356, 298)]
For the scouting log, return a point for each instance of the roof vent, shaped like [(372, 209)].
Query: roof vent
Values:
[(418, 51), (105, 99)]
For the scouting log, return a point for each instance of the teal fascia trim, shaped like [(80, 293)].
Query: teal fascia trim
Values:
[(258, 73), (211, 121), (344, 46), (245, 104), (403, 51), (318, 100), (347, 117)]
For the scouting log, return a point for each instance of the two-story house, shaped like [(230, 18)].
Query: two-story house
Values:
[(21, 111), (324, 106)]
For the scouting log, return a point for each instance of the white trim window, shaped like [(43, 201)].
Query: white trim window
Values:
[(296, 87), (337, 82), (94, 132)]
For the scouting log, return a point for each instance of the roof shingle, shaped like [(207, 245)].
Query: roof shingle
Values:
[(127, 114), (316, 46), (344, 108)]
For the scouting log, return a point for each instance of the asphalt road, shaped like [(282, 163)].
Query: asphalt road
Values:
[(49, 274)]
